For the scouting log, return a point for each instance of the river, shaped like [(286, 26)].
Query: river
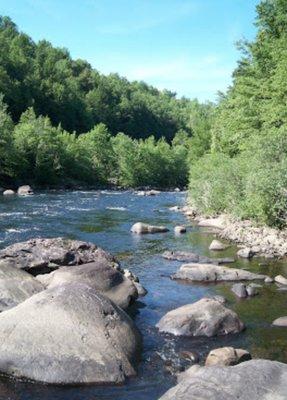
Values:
[(105, 218)]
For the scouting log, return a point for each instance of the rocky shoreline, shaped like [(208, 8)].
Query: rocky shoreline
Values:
[(260, 241)]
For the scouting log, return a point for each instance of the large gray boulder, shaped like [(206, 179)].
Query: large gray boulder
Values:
[(16, 286), (251, 380), (140, 228), (214, 273), (38, 256), (66, 335), (99, 275), (206, 317)]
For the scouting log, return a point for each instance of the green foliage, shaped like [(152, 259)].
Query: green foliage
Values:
[(6, 141), (150, 162), (246, 172), (76, 96)]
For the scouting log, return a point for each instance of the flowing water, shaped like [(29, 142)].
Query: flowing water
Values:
[(105, 218)]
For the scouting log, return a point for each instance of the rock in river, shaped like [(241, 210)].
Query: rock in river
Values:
[(179, 229), (252, 380), (282, 321), (281, 279), (66, 335), (213, 273), (206, 317), (8, 192), (16, 286), (226, 356), (246, 252), (99, 275), (189, 256), (216, 245), (38, 256), (25, 190), (141, 228), (239, 289)]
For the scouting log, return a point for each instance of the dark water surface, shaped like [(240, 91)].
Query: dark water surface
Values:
[(105, 218)]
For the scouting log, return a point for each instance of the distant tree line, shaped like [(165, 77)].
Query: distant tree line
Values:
[(64, 123), (77, 96)]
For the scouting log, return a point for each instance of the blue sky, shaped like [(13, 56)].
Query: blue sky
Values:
[(187, 46)]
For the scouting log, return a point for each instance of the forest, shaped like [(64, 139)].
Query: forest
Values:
[(245, 171), (64, 123)]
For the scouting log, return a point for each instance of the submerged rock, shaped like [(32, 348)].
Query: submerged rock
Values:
[(99, 275), (66, 335), (206, 317), (38, 256), (141, 228), (226, 356), (216, 245), (213, 273), (25, 190), (252, 380), (16, 286), (174, 208)]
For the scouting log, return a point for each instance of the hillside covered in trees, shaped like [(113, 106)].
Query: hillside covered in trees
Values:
[(62, 122), (245, 172)]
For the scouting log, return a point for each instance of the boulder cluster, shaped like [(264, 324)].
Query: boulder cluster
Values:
[(65, 319)]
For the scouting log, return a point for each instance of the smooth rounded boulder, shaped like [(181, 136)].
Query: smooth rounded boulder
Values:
[(140, 228), (206, 317), (251, 380), (39, 256), (16, 286), (226, 356), (69, 334), (99, 275), (214, 273)]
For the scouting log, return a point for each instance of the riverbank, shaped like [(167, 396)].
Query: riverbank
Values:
[(259, 240)]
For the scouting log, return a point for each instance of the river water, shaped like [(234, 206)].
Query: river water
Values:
[(105, 218)]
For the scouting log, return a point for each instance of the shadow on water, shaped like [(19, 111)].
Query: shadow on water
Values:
[(105, 218)]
